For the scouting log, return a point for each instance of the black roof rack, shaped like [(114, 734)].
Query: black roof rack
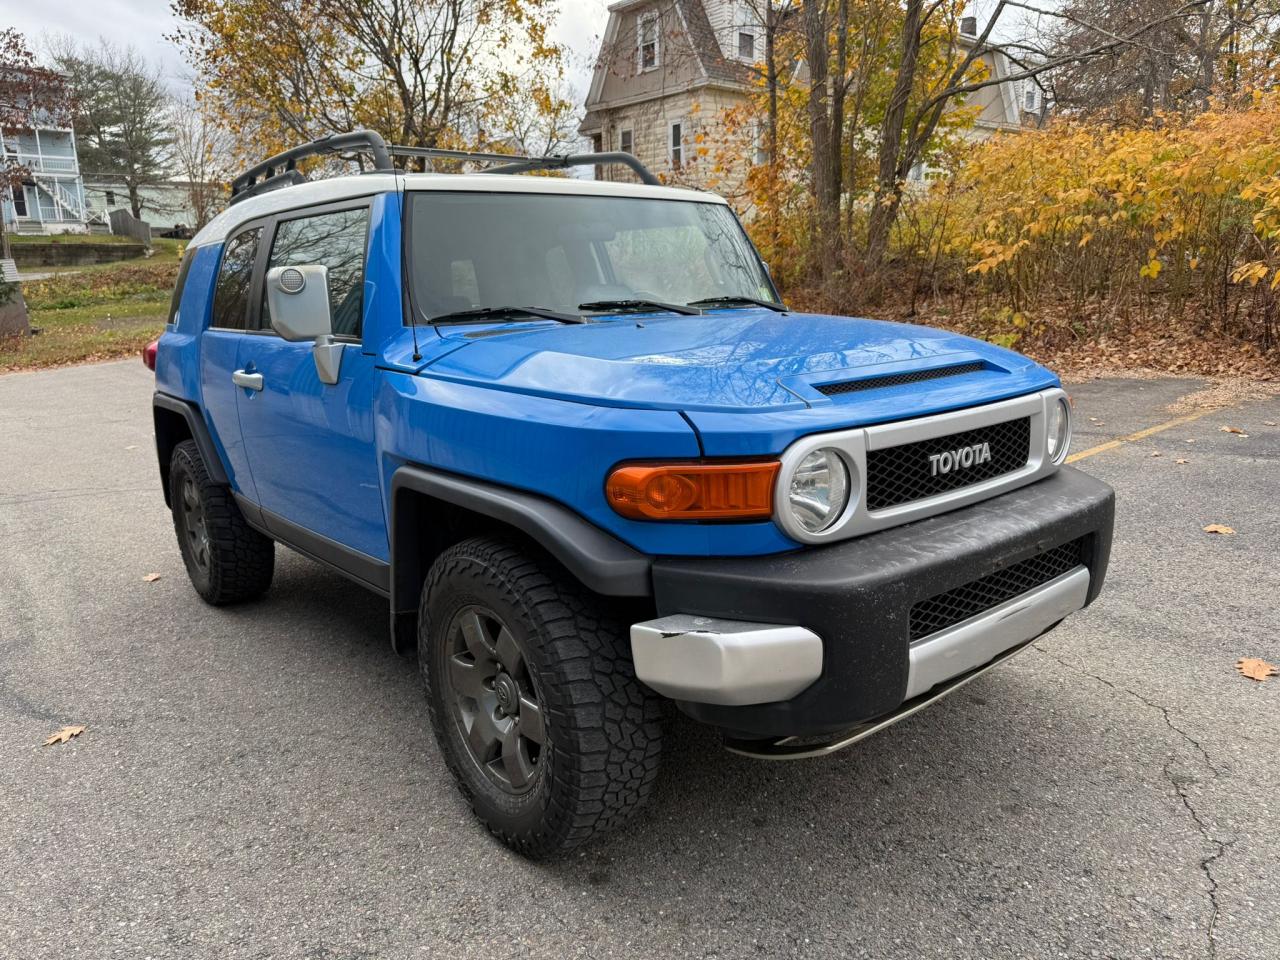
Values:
[(282, 169)]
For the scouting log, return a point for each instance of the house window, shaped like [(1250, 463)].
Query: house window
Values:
[(597, 146), (20, 201), (677, 146), (1032, 98), (747, 46), (111, 198), (647, 41), (626, 142)]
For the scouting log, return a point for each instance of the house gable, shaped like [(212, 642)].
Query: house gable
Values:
[(689, 55)]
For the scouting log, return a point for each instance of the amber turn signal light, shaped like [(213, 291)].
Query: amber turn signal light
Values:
[(693, 491)]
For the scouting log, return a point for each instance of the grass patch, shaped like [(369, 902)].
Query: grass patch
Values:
[(95, 313), (20, 239)]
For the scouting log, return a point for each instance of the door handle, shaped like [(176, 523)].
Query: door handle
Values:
[(250, 381)]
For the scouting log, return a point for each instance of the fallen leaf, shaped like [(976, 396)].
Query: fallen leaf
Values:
[(151, 577), (1217, 528), (1268, 423), (1182, 460), (1191, 440), (1156, 453), (132, 446), (1256, 669), (66, 733), (1237, 430)]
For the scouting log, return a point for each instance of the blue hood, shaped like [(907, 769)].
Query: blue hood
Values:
[(725, 361)]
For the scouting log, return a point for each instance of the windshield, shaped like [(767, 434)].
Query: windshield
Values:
[(477, 250)]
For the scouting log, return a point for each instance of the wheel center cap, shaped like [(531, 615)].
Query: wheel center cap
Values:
[(507, 692)]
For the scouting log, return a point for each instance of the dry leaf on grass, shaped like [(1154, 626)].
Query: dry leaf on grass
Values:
[(1156, 453), (1236, 430), (1268, 423), (1182, 460), (1217, 528), (151, 577), (1191, 440), (1256, 669), (65, 734)]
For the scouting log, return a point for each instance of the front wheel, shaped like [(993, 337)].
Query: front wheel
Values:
[(533, 698)]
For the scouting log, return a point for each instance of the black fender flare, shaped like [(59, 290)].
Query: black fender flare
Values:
[(600, 561), (199, 431)]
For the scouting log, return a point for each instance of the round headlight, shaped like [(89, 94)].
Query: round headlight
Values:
[(1058, 435), (819, 490)]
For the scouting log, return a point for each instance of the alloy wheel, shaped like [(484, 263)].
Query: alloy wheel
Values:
[(194, 523), (493, 700)]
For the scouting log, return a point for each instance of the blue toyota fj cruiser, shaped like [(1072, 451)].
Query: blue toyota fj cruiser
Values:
[(571, 433)]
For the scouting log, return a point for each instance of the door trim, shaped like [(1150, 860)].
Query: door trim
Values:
[(370, 572)]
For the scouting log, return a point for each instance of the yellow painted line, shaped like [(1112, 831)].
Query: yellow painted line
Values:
[(1140, 435)]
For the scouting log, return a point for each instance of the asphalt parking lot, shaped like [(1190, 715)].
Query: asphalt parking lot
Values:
[(261, 782)]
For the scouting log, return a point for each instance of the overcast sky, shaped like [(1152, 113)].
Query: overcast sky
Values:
[(144, 23)]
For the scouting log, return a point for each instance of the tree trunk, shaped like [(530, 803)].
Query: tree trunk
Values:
[(837, 103), (888, 192), (771, 80), (827, 220)]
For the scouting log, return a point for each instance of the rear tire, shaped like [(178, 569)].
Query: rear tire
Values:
[(533, 698), (227, 560)]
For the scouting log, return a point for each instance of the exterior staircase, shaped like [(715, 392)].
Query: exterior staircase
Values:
[(70, 206)]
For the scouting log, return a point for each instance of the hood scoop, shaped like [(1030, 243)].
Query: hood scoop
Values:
[(897, 379)]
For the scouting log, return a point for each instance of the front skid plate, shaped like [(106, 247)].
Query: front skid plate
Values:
[(794, 748)]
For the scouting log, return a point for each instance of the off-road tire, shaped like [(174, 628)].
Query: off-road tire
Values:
[(602, 727), (237, 562)]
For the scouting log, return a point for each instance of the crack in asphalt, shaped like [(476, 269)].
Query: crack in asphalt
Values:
[(1220, 846)]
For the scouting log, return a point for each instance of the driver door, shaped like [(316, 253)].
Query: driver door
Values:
[(310, 445)]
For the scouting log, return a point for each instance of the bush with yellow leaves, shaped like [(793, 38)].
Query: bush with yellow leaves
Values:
[(1178, 221)]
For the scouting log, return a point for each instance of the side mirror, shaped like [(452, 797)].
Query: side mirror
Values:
[(299, 301)]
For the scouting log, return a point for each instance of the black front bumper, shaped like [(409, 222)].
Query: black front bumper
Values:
[(857, 595)]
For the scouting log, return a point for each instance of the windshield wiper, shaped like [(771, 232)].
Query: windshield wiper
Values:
[(738, 301), (637, 306), (480, 314)]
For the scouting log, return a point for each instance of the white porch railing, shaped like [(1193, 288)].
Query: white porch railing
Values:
[(38, 163)]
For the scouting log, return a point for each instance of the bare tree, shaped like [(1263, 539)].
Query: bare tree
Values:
[(203, 156), (1177, 64)]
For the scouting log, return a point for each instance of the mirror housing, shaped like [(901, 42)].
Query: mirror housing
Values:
[(299, 302)]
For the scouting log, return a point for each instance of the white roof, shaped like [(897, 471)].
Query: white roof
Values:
[(363, 185)]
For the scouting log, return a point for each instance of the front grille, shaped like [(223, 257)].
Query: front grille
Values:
[(955, 606), (898, 379), (904, 473)]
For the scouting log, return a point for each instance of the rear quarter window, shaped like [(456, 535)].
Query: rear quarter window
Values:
[(176, 301)]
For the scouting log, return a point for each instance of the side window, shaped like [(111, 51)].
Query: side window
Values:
[(183, 270), (335, 240), (231, 296)]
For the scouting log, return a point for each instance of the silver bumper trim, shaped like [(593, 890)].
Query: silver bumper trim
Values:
[(792, 748), (959, 649), (947, 660), (728, 662)]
